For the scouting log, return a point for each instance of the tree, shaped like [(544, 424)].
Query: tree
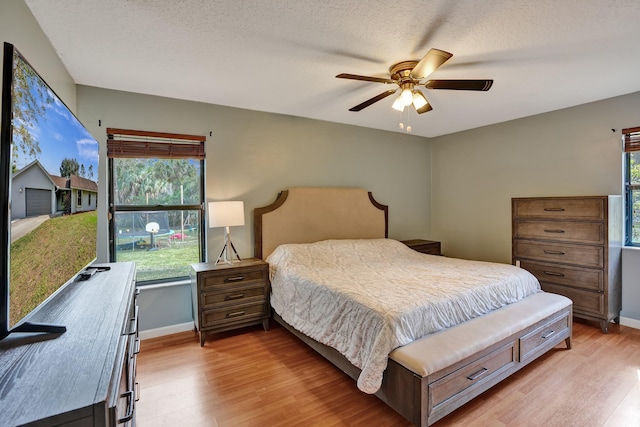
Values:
[(69, 167), (90, 171), (31, 98), (82, 171)]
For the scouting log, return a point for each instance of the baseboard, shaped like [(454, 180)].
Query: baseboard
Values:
[(166, 330), (632, 323)]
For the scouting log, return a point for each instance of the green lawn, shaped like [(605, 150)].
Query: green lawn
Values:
[(171, 258), (48, 257)]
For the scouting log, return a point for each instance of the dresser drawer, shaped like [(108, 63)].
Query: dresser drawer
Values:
[(584, 302), (560, 208), (587, 256), (473, 374), (542, 337), (232, 314), (566, 231), (220, 279), (576, 277)]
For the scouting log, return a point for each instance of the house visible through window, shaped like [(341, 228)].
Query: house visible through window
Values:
[(79, 198), (156, 191), (632, 184)]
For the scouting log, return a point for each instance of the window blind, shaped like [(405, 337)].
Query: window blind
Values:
[(631, 137), (126, 143)]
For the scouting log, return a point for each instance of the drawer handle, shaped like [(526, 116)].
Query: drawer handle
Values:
[(477, 374), (232, 297), (553, 252), (554, 209), (235, 314), (554, 231), (548, 334), (235, 279), (553, 273), (129, 395)]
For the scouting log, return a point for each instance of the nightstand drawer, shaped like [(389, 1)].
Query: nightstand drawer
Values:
[(219, 279), (236, 295), (587, 256), (560, 208), (566, 231), (233, 314)]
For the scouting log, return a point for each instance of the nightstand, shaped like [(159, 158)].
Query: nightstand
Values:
[(232, 296), (425, 246)]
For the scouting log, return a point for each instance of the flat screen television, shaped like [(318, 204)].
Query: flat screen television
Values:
[(48, 196)]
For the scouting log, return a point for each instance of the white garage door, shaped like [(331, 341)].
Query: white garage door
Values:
[(38, 202)]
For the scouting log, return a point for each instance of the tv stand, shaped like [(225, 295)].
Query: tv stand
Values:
[(85, 376)]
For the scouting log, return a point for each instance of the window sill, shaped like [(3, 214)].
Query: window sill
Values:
[(150, 286)]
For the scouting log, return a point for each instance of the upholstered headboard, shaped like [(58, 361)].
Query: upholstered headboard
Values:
[(306, 215)]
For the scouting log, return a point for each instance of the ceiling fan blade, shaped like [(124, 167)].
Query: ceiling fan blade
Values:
[(375, 99), (430, 62), (365, 78), (480, 85)]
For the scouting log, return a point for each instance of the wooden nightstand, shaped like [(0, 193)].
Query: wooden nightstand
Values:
[(425, 246), (227, 296)]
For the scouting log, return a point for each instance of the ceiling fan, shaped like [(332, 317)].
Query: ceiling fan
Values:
[(408, 75)]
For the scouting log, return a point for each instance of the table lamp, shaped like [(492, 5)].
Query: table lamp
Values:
[(226, 214)]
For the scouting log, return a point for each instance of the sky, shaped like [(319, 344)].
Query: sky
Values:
[(60, 134)]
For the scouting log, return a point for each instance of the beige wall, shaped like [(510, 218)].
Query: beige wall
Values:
[(19, 27), (563, 153), (251, 156)]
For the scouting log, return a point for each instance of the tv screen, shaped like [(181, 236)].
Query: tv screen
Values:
[(48, 191)]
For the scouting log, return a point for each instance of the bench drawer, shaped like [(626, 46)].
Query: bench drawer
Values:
[(473, 374), (543, 337)]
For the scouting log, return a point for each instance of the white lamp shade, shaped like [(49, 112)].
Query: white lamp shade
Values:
[(226, 214)]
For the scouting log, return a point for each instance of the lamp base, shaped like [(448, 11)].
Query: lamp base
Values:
[(225, 255)]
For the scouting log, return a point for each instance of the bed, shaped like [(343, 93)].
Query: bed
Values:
[(480, 323)]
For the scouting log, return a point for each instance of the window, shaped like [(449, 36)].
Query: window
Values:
[(632, 185), (156, 193), (79, 198), (88, 199)]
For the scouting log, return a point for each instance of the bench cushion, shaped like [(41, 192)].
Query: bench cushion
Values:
[(444, 348)]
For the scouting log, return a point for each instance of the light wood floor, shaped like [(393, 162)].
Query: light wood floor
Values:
[(255, 378)]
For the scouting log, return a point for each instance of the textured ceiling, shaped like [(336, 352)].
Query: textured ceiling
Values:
[(282, 56)]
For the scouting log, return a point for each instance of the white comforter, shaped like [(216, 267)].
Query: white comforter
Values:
[(367, 297)]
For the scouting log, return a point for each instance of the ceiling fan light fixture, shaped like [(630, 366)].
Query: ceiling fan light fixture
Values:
[(419, 100), (398, 104), (407, 94)]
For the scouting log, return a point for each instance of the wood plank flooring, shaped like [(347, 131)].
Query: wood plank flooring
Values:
[(254, 378)]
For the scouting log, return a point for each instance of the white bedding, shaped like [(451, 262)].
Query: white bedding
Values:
[(367, 297)]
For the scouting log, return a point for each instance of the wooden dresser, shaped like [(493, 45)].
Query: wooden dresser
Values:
[(85, 376), (573, 246), (232, 296)]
